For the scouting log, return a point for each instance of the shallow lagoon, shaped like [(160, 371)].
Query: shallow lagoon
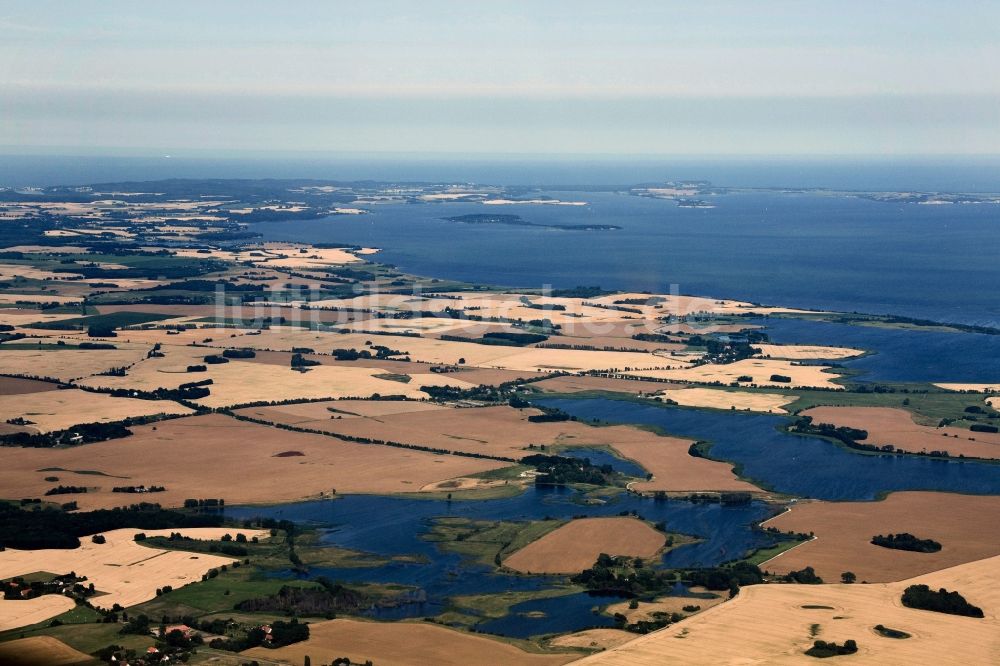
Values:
[(598, 457), (792, 464), (391, 526), (806, 466), (899, 355)]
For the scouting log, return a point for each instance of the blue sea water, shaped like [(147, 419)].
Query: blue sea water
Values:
[(808, 250), (804, 250)]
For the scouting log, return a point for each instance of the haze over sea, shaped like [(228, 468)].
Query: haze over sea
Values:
[(808, 249)]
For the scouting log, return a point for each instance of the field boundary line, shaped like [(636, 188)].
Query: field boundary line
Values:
[(787, 551)]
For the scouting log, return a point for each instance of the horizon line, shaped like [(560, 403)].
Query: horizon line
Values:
[(183, 153)]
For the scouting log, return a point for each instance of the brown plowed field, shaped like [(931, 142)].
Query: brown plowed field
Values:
[(576, 545), (886, 425), (964, 525)]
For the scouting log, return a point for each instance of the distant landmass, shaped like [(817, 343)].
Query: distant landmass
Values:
[(518, 221)]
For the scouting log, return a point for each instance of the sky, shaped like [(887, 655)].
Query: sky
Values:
[(545, 77)]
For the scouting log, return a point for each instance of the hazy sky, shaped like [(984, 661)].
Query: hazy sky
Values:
[(533, 77)]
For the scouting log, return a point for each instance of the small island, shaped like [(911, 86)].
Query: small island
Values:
[(518, 221), (694, 203)]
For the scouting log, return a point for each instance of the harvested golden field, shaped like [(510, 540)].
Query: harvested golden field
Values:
[(578, 384), (494, 431), (43, 337), (806, 352), (403, 644), (770, 624), (127, 572), (721, 399), (315, 414), (576, 545), (15, 271), (313, 258), (421, 325), (507, 306), (370, 408), (178, 311), (845, 529), (703, 328), (621, 329), (47, 249), (593, 639), (21, 613), (280, 255), (886, 425), (681, 305), (612, 342), (672, 467), (421, 371), (239, 382), (58, 410), (465, 373), (68, 364), (129, 284), (504, 431), (8, 297), (308, 319), (973, 388), (23, 318), (432, 350), (615, 333), (166, 371), (222, 337), (18, 386), (492, 377), (37, 650), (646, 609), (576, 360), (186, 454), (759, 370), (284, 359), (384, 301), (578, 313)]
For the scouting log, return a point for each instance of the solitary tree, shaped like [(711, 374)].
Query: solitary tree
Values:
[(848, 577)]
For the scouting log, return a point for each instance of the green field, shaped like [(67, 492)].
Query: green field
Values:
[(762, 555), (484, 541), (111, 320), (498, 605), (215, 595), (82, 630), (927, 408)]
